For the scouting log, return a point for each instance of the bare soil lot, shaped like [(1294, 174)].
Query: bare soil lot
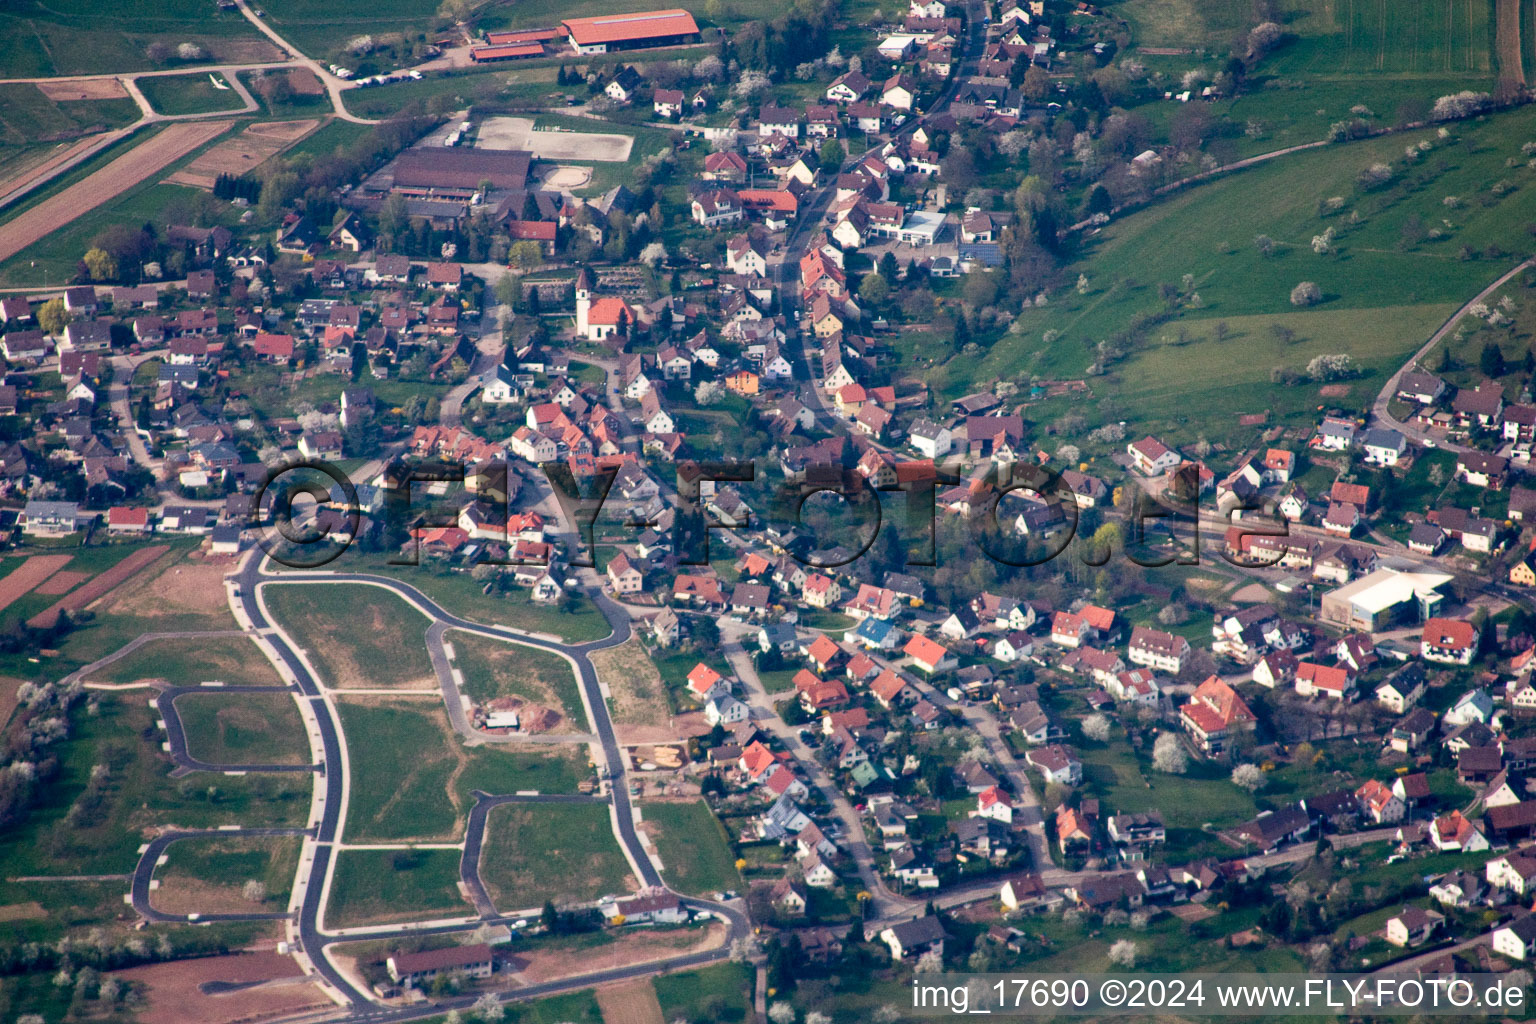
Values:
[(633, 1002), (638, 698), (565, 176), (225, 989), (23, 579), (518, 133), (188, 587), (304, 83), (147, 158), (87, 89), (99, 587), (632, 946), (61, 582), (245, 152)]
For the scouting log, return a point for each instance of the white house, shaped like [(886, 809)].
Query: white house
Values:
[(931, 439), (1151, 456), (1517, 939)]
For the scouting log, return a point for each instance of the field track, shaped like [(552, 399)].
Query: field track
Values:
[(1508, 46), (117, 177), (98, 587)]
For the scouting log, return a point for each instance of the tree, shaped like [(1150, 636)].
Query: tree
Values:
[(1037, 83), (1491, 362), (781, 1013), (653, 254), (489, 1008), (1333, 366), (1307, 293), (508, 290), (1123, 953), (1249, 777), (1096, 728), (52, 317), (750, 84), (101, 264), (874, 289), (254, 891), (526, 255), (979, 290), (1168, 755), (832, 153)]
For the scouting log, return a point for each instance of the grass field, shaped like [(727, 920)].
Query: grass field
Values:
[(1386, 284), (56, 255), (82, 37), (28, 116), (537, 852), (185, 661), (494, 668), (1332, 37), (330, 138), (694, 853), (411, 778), (209, 874), (460, 593), (82, 827), (319, 29), (722, 992), (386, 886), (243, 728), (355, 635), (1405, 37), (1186, 802), (188, 94)]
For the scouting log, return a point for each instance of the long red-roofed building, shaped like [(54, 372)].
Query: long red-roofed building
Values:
[(609, 32)]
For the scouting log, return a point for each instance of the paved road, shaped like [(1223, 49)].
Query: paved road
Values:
[(1379, 409), (143, 873), (312, 940), (333, 86), (176, 733), (453, 702), (854, 841), (474, 838)]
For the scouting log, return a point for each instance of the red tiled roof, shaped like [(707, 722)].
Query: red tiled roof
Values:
[(619, 28)]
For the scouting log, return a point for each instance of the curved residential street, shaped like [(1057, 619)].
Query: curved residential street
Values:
[(311, 938), (1380, 408)]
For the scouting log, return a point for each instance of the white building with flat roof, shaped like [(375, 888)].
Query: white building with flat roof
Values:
[(922, 227), (1375, 600)]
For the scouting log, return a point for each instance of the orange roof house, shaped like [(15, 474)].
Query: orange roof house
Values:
[(928, 655), (1214, 713)]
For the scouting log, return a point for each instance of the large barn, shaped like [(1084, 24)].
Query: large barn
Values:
[(457, 173), (610, 32)]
